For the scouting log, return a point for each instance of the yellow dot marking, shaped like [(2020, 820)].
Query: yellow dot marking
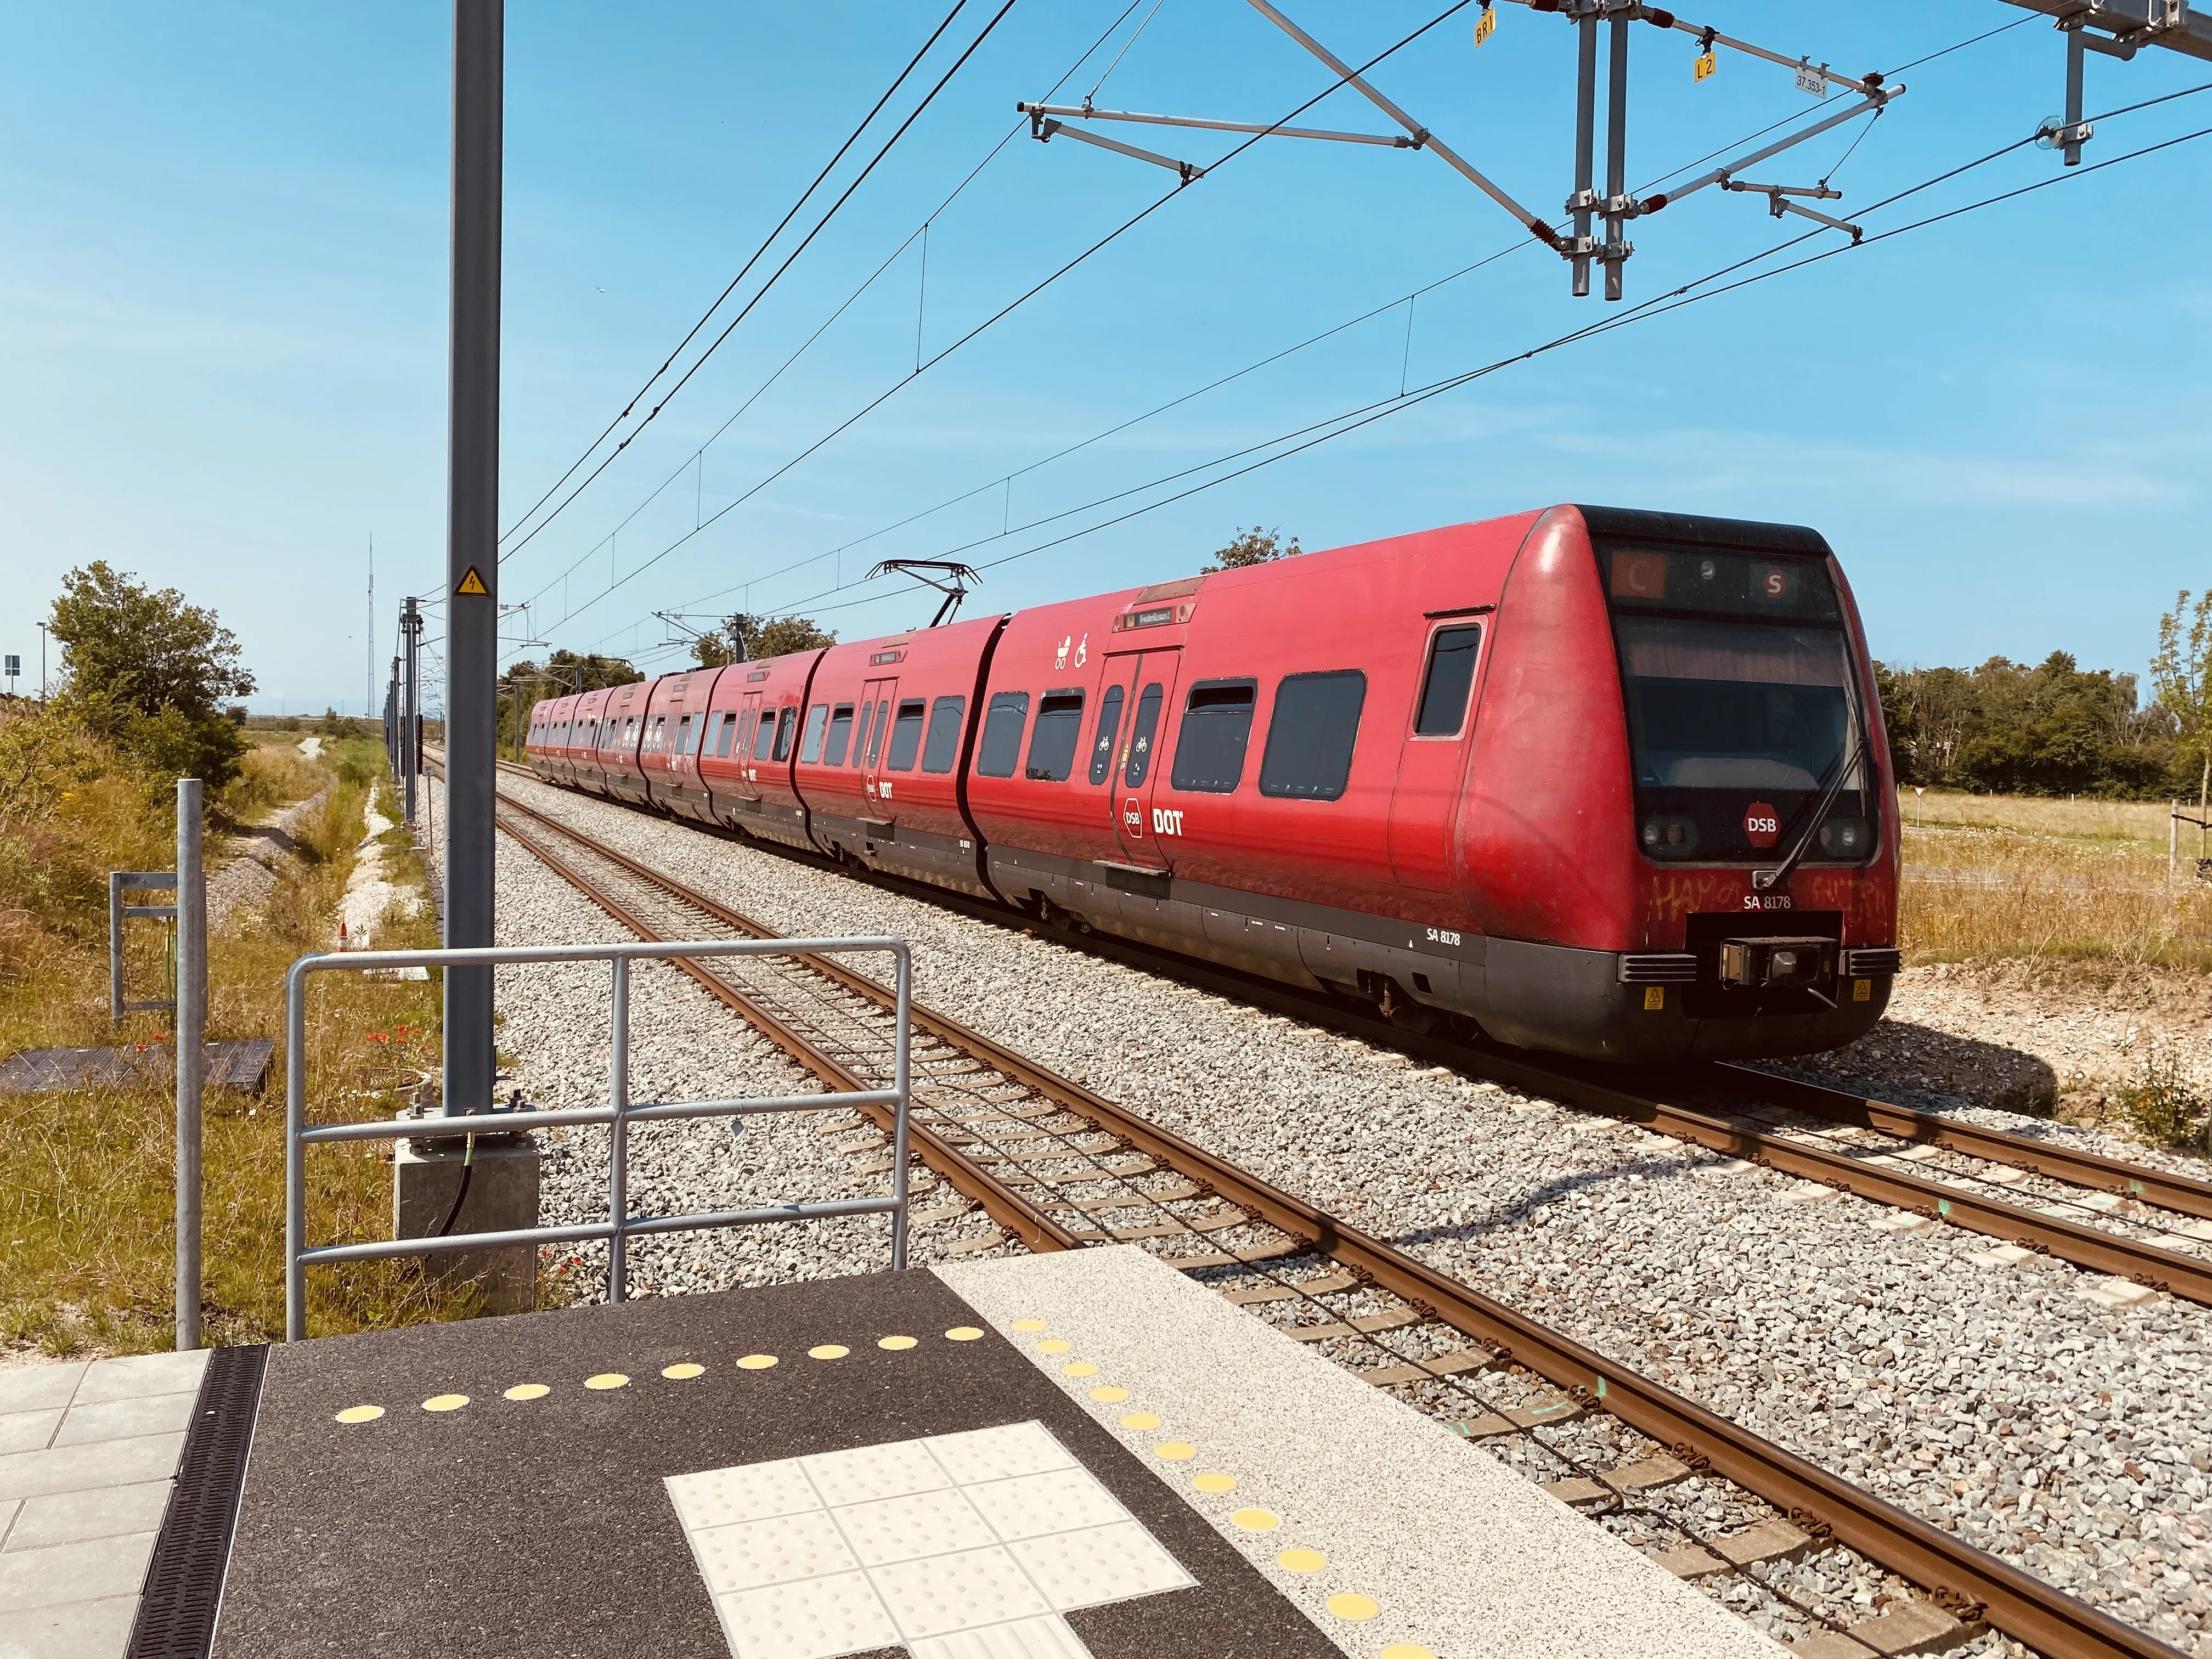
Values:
[(756, 1362), (1353, 1606), (1110, 1395), (360, 1414), (528, 1391), (684, 1372), (1054, 1345), (1029, 1324), (445, 1402), (1140, 1420), (1257, 1519), (1302, 1560), (1176, 1451), (606, 1380), (829, 1351), (896, 1343), (962, 1333), (1406, 1650), (1215, 1481), (1079, 1368)]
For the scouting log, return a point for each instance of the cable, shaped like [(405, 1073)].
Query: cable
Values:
[(1124, 52), (762, 292), (1658, 305), (989, 156), (1007, 479), (1005, 311), (1961, 46), (851, 139)]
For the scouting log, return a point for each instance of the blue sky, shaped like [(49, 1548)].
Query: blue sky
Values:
[(222, 314)]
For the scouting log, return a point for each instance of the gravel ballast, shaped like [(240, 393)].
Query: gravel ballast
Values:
[(1995, 1401)]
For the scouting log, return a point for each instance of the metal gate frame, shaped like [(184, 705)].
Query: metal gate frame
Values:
[(619, 1113)]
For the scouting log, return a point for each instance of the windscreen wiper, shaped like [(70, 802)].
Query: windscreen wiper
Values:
[(1765, 881)]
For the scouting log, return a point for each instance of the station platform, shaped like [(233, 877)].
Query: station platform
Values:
[(1038, 1458)]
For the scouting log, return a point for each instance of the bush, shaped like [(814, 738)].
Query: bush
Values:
[(2163, 1104)]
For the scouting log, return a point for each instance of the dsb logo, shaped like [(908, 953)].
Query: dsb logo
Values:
[(1762, 825)]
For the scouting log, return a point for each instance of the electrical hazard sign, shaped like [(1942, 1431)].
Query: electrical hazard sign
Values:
[(473, 583)]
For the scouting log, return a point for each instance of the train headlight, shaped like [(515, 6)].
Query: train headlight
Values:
[(1668, 836), (1846, 838)]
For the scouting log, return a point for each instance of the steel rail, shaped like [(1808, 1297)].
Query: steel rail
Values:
[(1969, 1582), (1035, 1231), (2185, 1195), (1590, 1088)]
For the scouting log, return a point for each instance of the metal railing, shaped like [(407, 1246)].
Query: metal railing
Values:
[(119, 882), (619, 1113)]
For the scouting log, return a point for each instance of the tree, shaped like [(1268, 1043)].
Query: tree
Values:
[(150, 672), (567, 671), (2181, 674), (1253, 546), (762, 636)]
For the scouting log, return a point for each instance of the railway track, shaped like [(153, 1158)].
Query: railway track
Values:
[(1054, 1164)]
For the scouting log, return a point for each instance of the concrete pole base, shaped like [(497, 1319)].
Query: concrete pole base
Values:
[(502, 1195)]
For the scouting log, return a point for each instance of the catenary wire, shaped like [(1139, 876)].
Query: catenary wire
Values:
[(1675, 298), (1007, 479), (762, 292), (767, 241), (850, 300), (1005, 311)]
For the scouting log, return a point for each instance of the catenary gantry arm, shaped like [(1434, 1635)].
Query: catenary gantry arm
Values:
[(1085, 112), (2173, 24), (1875, 99), (1045, 130), (1424, 137)]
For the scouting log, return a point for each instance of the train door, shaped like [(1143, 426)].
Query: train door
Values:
[(741, 750), (1432, 762), (1146, 684), (871, 747)]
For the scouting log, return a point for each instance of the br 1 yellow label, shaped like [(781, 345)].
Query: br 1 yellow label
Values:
[(1486, 25), (1703, 65), (1655, 996), (1861, 990)]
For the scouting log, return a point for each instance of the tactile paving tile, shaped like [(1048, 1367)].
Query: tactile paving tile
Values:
[(921, 1523), (777, 1551), (1059, 1500), (963, 1547), (942, 1593), (1099, 1565), (716, 1498), (866, 1472), (1048, 1637), (999, 1454), (812, 1618)]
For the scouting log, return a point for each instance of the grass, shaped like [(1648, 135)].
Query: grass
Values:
[(2053, 881), (86, 1178)]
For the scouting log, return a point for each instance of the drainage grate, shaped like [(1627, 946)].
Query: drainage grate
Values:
[(243, 1065), (184, 1585)]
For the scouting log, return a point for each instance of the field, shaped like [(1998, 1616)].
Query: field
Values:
[(86, 1178), (2081, 882)]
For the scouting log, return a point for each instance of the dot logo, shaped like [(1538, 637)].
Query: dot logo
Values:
[(1762, 825)]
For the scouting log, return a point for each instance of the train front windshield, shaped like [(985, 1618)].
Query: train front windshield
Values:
[(1736, 678)]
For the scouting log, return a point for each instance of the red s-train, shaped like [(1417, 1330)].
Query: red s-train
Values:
[(1605, 782)]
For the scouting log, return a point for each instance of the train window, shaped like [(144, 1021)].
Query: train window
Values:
[(1444, 688), (1141, 735), (841, 735), (1110, 722), (764, 733), (943, 748), (1310, 735), (1217, 723), (861, 741), (876, 736), (786, 724), (817, 722), (684, 730), (906, 734), (1002, 734), (729, 729), (1059, 733)]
